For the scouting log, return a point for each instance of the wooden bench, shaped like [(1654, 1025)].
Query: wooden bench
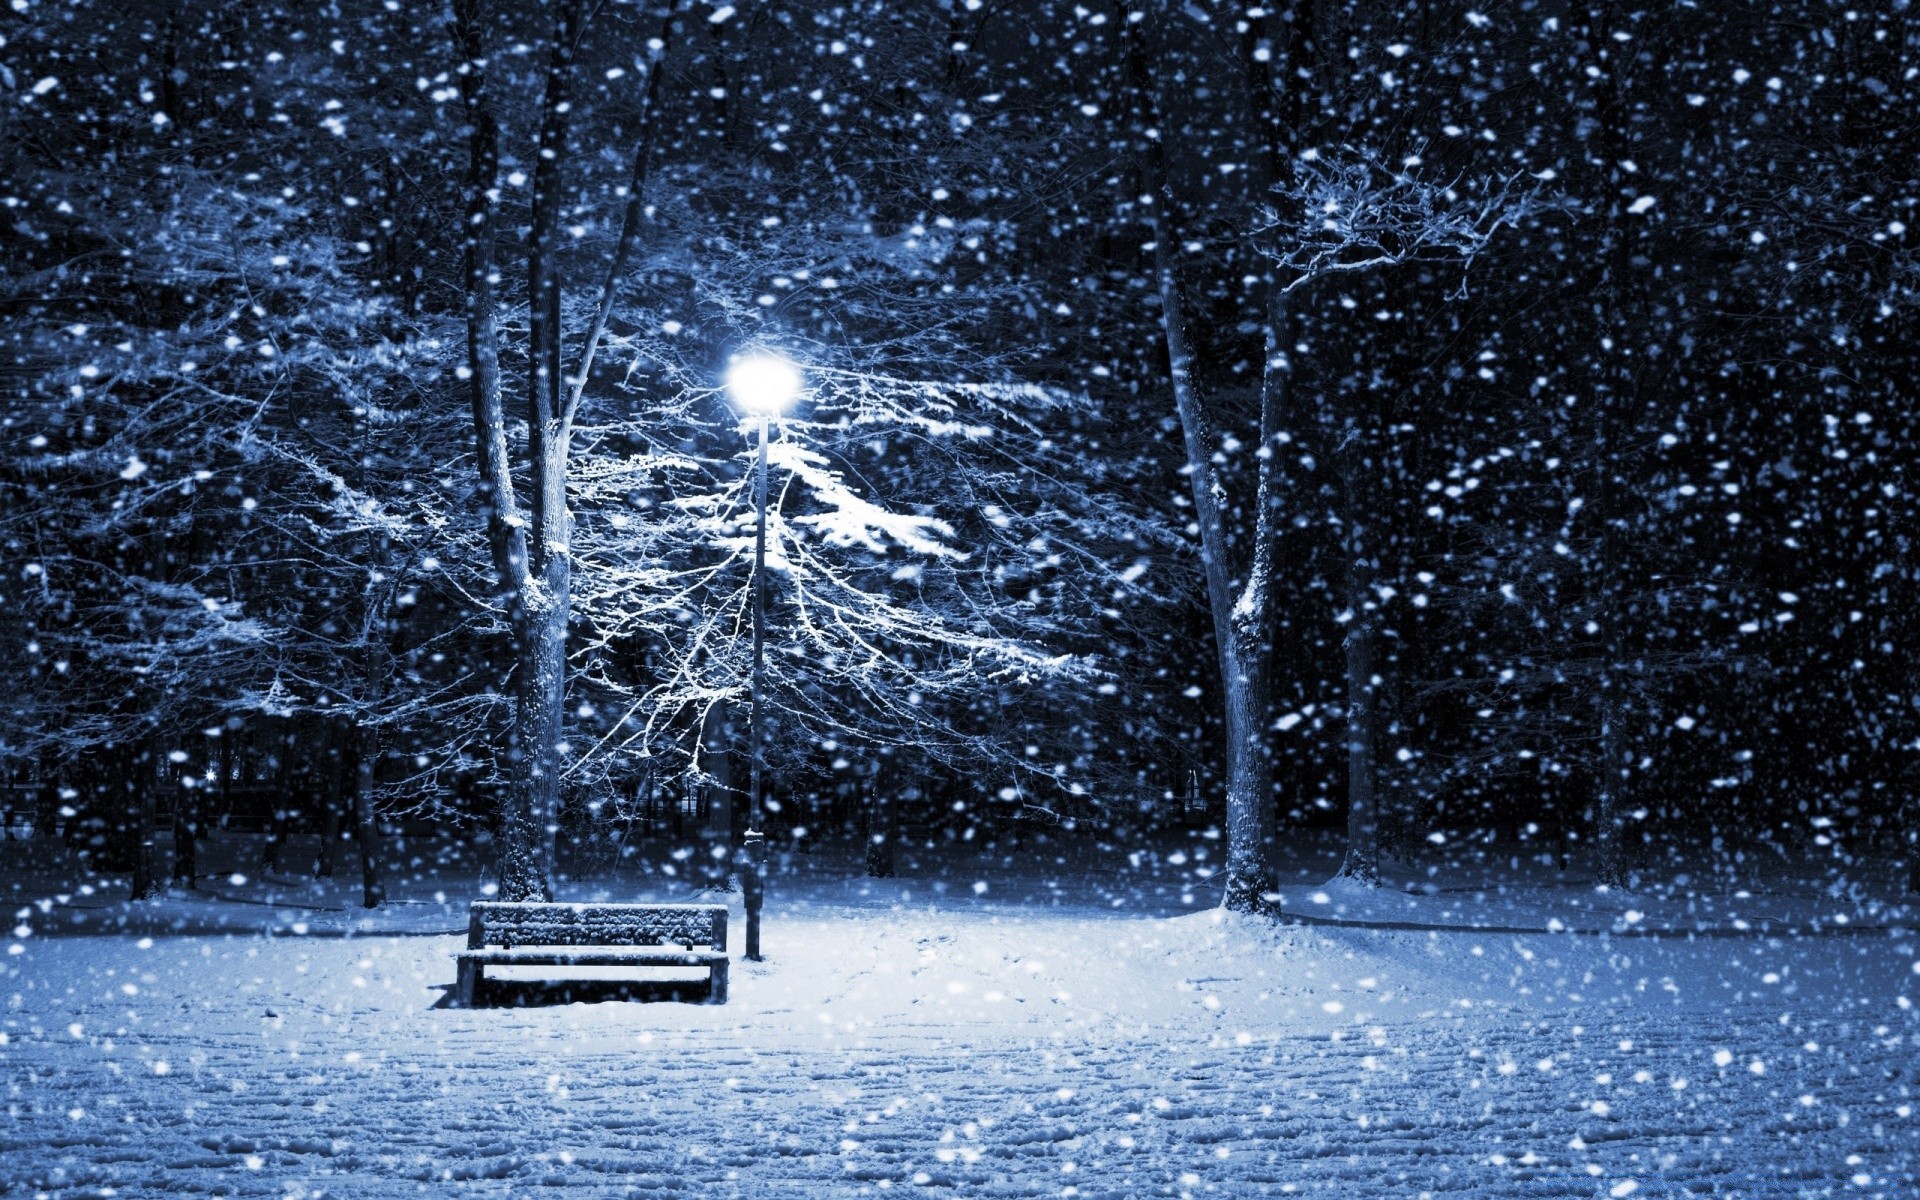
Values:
[(503, 934)]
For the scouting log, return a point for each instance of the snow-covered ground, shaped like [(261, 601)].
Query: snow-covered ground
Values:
[(1026, 1041)]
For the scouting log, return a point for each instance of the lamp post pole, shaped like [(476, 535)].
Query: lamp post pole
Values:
[(761, 384), (753, 883)]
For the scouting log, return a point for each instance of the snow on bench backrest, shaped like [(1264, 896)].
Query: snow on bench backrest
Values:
[(507, 924)]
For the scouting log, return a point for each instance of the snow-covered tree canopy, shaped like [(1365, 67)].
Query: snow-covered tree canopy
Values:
[(1543, 431)]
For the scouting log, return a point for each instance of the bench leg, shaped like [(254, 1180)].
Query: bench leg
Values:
[(717, 985), (466, 984)]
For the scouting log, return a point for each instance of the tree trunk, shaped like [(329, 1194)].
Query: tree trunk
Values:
[(523, 820), (114, 812), (880, 837), (1393, 774), (1363, 814), (1251, 877), (331, 833), (1236, 629), (530, 828), (1912, 833), (140, 780), (366, 821), (1239, 607), (1361, 643), (186, 834), (1615, 401), (1611, 776), (533, 556), (226, 760), (1609, 834), (506, 531), (716, 762), (279, 815)]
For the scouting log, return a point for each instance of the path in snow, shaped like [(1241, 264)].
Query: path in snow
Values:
[(978, 1055)]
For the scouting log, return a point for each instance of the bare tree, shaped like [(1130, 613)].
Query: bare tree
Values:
[(532, 549), (1237, 585)]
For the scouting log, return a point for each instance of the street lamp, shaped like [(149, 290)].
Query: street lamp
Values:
[(763, 385)]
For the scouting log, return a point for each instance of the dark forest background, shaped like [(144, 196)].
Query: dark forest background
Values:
[(1549, 366)]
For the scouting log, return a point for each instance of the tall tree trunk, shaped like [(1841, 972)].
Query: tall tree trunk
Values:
[(186, 833), (1236, 628), (1363, 814), (1612, 774), (533, 555), (1611, 777), (331, 831), (329, 836), (523, 874), (716, 763), (226, 758), (366, 818), (533, 803), (1239, 607), (530, 829), (140, 779), (506, 529), (281, 814), (1910, 832), (878, 822), (1617, 386), (1362, 861), (118, 810), (1393, 759)]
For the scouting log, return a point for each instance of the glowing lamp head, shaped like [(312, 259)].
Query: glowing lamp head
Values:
[(763, 384)]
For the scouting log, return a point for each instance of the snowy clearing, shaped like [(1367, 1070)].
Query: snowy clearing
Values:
[(992, 1052)]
